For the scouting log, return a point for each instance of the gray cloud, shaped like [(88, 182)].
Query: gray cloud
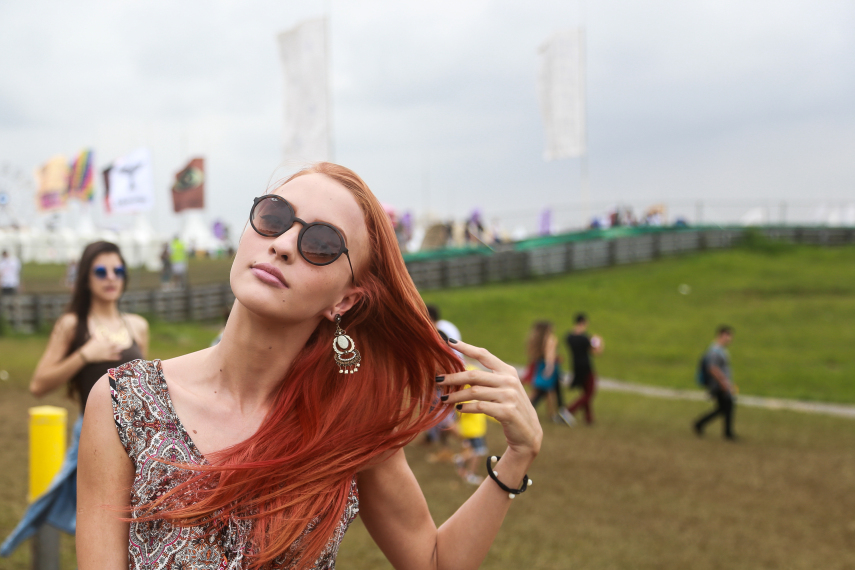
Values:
[(435, 103)]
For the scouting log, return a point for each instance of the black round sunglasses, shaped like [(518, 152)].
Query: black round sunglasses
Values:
[(319, 243)]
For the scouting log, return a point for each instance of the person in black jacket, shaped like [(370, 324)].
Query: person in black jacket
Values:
[(581, 348)]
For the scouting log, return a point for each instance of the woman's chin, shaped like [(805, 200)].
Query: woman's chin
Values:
[(109, 296)]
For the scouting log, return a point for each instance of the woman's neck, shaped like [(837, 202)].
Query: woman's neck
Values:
[(254, 354), (104, 310)]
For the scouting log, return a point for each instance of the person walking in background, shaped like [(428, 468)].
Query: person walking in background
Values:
[(472, 429), (89, 339), (445, 328), (71, 274), (582, 347), (439, 433), (178, 262), (718, 378), (10, 273), (544, 371), (165, 267)]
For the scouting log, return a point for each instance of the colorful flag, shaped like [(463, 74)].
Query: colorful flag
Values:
[(303, 51), (189, 188), (128, 183), (561, 86), (81, 182), (52, 184)]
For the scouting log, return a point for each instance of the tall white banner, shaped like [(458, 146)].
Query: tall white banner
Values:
[(303, 51), (130, 183), (561, 87)]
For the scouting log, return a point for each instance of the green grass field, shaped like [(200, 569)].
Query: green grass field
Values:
[(792, 308), (638, 490), (793, 312)]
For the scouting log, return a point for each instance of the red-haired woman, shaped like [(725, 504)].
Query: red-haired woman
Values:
[(259, 451)]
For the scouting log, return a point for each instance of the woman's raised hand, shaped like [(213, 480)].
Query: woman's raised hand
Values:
[(97, 349), (498, 393)]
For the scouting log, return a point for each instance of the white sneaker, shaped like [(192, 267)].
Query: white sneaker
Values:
[(567, 417), (473, 479)]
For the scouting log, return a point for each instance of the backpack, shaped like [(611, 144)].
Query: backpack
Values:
[(703, 376), (541, 382)]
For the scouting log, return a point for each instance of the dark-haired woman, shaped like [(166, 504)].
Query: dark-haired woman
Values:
[(544, 371), (92, 337), (259, 452)]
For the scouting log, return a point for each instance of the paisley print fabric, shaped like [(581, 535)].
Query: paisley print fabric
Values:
[(148, 429)]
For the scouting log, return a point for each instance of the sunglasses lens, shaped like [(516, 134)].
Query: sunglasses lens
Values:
[(272, 216), (120, 272), (321, 245), (100, 272)]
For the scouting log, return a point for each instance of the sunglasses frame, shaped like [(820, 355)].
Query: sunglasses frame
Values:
[(306, 226), (119, 272)]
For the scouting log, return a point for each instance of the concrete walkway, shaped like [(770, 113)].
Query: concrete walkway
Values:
[(839, 410)]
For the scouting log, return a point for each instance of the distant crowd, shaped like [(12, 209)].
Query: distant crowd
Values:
[(546, 381)]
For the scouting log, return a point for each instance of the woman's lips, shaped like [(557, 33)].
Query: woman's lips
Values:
[(269, 274)]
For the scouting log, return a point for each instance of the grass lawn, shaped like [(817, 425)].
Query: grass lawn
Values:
[(637, 491), (793, 310)]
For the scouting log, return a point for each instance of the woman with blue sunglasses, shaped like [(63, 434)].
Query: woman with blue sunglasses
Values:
[(92, 337)]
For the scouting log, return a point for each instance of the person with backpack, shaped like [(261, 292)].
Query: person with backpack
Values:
[(714, 373)]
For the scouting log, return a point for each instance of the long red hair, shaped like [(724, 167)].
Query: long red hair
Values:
[(323, 427)]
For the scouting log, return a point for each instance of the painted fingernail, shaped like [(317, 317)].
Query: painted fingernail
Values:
[(444, 398), (452, 341), (459, 406), (440, 378)]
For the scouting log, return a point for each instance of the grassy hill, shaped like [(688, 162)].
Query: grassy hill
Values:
[(638, 490), (793, 309)]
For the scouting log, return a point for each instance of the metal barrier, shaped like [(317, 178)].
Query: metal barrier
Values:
[(26, 313), (548, 255), (552, 255)]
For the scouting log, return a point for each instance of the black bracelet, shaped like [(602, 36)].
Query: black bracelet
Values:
[(511, 492)]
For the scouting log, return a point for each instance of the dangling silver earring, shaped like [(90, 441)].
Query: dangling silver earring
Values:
[(346, 355)]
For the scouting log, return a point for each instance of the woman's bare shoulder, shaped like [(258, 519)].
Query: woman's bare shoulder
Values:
[(64, 326), (138, 322), (66, 322), (390, 460)]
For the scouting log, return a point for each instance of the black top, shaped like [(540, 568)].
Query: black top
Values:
[(86, 377), (580, 352)]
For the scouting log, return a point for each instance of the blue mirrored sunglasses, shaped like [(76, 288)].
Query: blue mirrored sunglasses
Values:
[(101, 272)]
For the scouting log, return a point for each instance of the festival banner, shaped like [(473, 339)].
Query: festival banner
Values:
[(561, 87), (52, 184), (81, 182), (128, 183), (189, 188), (303, 51)]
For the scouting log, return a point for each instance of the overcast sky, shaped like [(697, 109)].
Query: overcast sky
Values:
[(435, 103)]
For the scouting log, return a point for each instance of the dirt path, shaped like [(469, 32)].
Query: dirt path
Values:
[(840, 410)]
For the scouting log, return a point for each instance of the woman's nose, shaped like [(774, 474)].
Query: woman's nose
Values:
[(285, 245)]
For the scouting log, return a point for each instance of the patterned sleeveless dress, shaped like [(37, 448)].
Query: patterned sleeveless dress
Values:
[(149, 428)]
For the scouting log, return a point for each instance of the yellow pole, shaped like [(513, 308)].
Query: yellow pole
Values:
[(47, 446)]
